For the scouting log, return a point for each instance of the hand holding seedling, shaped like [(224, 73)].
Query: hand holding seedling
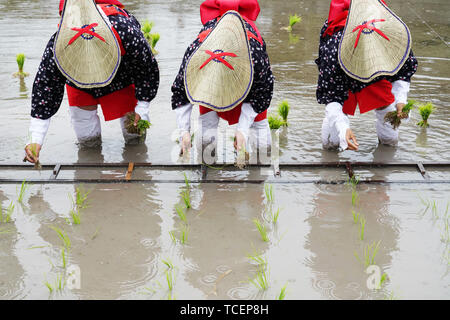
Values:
[(400, 107), (239, 141), (137, 117), (351, 140), (186, 143), (32, 152)]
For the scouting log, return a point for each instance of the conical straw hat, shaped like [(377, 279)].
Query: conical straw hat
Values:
[(86, 50), (219, 73), (375, 41)]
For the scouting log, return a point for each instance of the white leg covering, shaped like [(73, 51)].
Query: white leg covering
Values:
[(86, 124), (209, 123), (260, 136), (385, 131), (130, 138), (334, 127)]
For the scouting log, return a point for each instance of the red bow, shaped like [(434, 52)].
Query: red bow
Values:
[(114, 2), (86, 29), (369, 25), (217, 56), (211, 9)]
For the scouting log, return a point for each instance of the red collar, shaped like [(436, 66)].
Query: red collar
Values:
[(211, 9)]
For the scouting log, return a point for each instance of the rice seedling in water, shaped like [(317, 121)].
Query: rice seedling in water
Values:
[(23, 189), (63, 236), (425, 111), (355, 216), (181, 213), (434, 210), (184, 231), (362, 222), (76, 216), (168, 264), (261, 281), (355, 197), (383, 279), (81, 198), (63, 257), (282, 294), (394, 119), (275, 215), (172, 236), (283, 111), (370, 252), (170, 278), (140, 128), (275, 122), (49, 287), (186, 196), (268, 190), (20, 59), (293, 20), (186, 181), (258, 259), (262, 230), (9, 211)]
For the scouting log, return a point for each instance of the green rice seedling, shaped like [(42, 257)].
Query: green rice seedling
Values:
[(262, 230), (49, 286), (258, 259), (181, 213), (184, 232), (63, 236), (60, 282), (168, 263), (446, 232), (370, 253), (172, 236), (355, 197), (394, 119), (147, 27), (275, 122), (282, 294), (186, 182), (37, 164), (140, 128), (293, 20), (23, 188), (20, 59), (170, 278), (434, 210), (63, 257), (9, 211), (362, 222), (155, 39), (355, 216), (76, 216), (95, 234), (383, 279), (186, 196), (425, 110), (268, 191), (81, 198), (283, 111), (261, 280), (275, 215)]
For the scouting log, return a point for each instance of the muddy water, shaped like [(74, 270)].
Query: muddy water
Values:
[(126, 232)]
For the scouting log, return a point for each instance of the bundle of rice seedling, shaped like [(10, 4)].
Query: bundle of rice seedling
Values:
[(425, 111), (394, 119), (146, 29), (293, 19), (283, 111), (155, 39), (20, 62), (141, 127), (275, 122)]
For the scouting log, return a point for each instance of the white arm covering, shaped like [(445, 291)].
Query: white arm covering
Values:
[(400, 91), (338, 122), (142, 109), (38, 130), (246, 119), (184, 119)]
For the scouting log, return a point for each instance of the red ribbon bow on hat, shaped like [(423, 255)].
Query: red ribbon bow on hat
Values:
[(211, 9), (369, 25)]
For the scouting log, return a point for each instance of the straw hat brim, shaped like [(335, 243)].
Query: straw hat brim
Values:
[(92, 58), (379, 52), (221, 83)]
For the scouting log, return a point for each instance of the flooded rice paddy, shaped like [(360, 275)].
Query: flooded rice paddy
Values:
[(132, 244)]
